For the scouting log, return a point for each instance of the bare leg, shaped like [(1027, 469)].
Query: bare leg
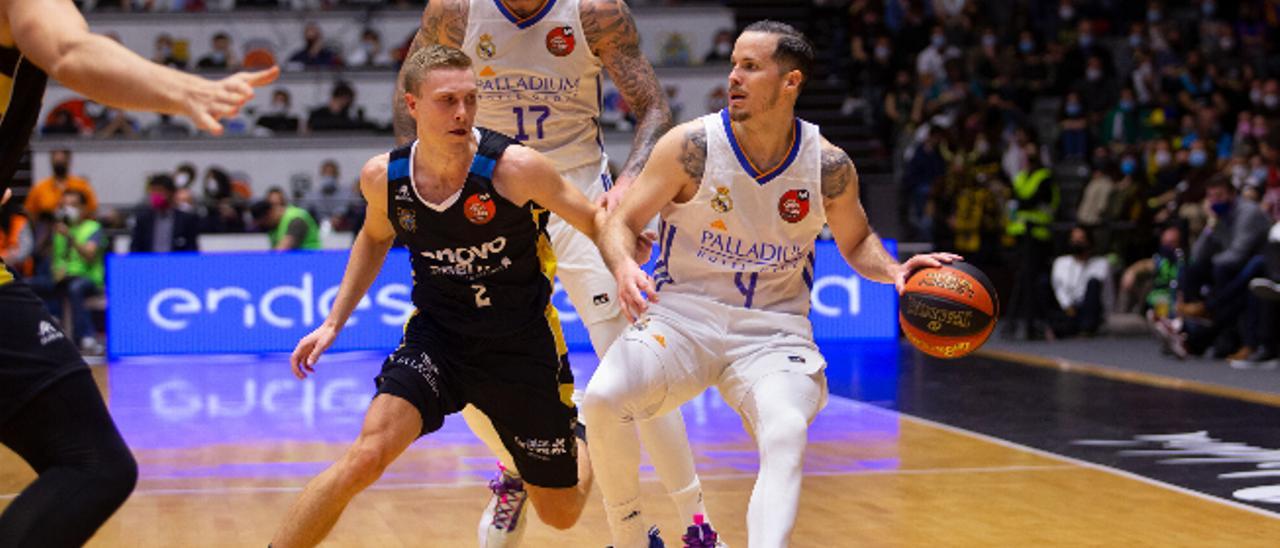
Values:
[(389, 427)]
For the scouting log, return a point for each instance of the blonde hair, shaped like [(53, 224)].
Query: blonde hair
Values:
[(430, 58)]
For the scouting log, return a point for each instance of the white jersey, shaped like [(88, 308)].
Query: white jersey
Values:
[(538, 80), (747, 236)]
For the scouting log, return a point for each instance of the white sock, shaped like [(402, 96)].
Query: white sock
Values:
[(667, 443), (627, 524)]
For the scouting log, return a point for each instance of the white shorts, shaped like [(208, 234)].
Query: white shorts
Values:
[(579, 267), (686, 344)]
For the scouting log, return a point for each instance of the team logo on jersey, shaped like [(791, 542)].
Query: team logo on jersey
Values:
[(48, 333), (721, 202), (485, 49), (408, 219), (402, 194), (600, 300), (560, 41), (794, 205), (479, 208)]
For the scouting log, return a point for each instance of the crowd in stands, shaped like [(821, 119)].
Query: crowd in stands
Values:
[(1096, 157), (57, 238)]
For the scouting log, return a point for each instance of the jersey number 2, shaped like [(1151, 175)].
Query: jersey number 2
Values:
[(543, 112), (481, 300)]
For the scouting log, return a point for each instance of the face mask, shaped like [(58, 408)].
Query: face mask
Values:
[(1271, 101), (181, 179), (1198, 158), (60, 170), (1255, 96), (1126, 105), (1243, 128), (218, 57), (1260, 174), (1086, 40), (1153, 15), (1163, 158), (1220, 209), (1093, 74), (72, 214), (1066, 13), (938, 41), (1073, 109), (882, 52), (1208, 9), (724, 49), (1226, 44), (1128, 166), (159, 200), (1167, 252), (328, 185), (1078, 248), (989, 41), (1135, 40), (1026, 46), (1259, 131)]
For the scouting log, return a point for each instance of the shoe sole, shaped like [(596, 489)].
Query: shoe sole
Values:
[(1260, 366), (1265, 289)]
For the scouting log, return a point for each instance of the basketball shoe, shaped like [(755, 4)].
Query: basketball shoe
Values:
[(502, 523)]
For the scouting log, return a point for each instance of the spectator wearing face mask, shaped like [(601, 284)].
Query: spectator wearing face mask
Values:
[(370, 52), (328, 198), (314, 52), (46, 196), (340, 113), (221, 56), (279, 117), (721, 47), (161, 227), (1213, 286), (933, 59), (1120, 124), (1075, 127), (1153, 282), (1073, 305), (79, 269)]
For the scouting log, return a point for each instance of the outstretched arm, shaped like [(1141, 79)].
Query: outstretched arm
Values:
[(367, 255), (443, 22), (54, 35), (859, 246), (611, 33)]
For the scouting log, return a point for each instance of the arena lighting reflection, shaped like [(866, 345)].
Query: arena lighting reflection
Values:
[(191, 402)]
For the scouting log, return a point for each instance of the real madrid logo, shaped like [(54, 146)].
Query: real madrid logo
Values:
[(560, 41), (722, 203), (485, 49), (479, 208), (408, 219)]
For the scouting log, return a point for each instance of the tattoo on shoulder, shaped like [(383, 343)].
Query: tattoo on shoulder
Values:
[(837, 171), (611, 32), (693, 152), (444, 24)]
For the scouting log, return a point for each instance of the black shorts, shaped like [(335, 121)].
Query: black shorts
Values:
[(520, 380), (34, 351)]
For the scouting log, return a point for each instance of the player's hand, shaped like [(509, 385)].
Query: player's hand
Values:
[(612, 197), (307, 353), (7, 194), (212, 100), (923, 260), (644, 246), (635, 290)]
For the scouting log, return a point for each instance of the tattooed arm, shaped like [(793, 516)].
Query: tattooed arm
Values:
[(858, 244), (611, 33), (672, 175), (443, 22)]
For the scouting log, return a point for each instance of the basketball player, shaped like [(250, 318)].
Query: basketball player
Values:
[(51, 413), (468, 202), (539, 65), (742, 194)]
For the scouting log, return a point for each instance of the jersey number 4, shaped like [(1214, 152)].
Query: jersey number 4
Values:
[(542, 111)]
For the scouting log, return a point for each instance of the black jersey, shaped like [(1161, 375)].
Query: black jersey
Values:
[(482, 266), (21, 92)]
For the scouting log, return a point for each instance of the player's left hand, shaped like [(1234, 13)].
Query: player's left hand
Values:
[(923, 260), (635, 291), (644, 246), (612, 197)]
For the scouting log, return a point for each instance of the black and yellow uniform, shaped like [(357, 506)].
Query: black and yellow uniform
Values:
[(51, 412), (33, 350), (485, 332)]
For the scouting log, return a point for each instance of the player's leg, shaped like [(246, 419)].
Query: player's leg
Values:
[(503, 519), (414, 396), (638, 379), (390, 425), (777, 402), (85, 471)]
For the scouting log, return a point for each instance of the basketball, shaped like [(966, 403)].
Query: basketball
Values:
[(948, 311)]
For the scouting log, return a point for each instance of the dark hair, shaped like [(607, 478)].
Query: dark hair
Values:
[(794, 51), (343, 90), (259, 210), (163, 181), (1220, 180), (79, 195)]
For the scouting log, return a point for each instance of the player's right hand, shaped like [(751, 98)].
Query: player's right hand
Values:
[(212, 100), (307, 353), (635, 290)]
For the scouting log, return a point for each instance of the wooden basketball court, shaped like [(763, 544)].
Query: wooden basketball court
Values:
[(220, 465)]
